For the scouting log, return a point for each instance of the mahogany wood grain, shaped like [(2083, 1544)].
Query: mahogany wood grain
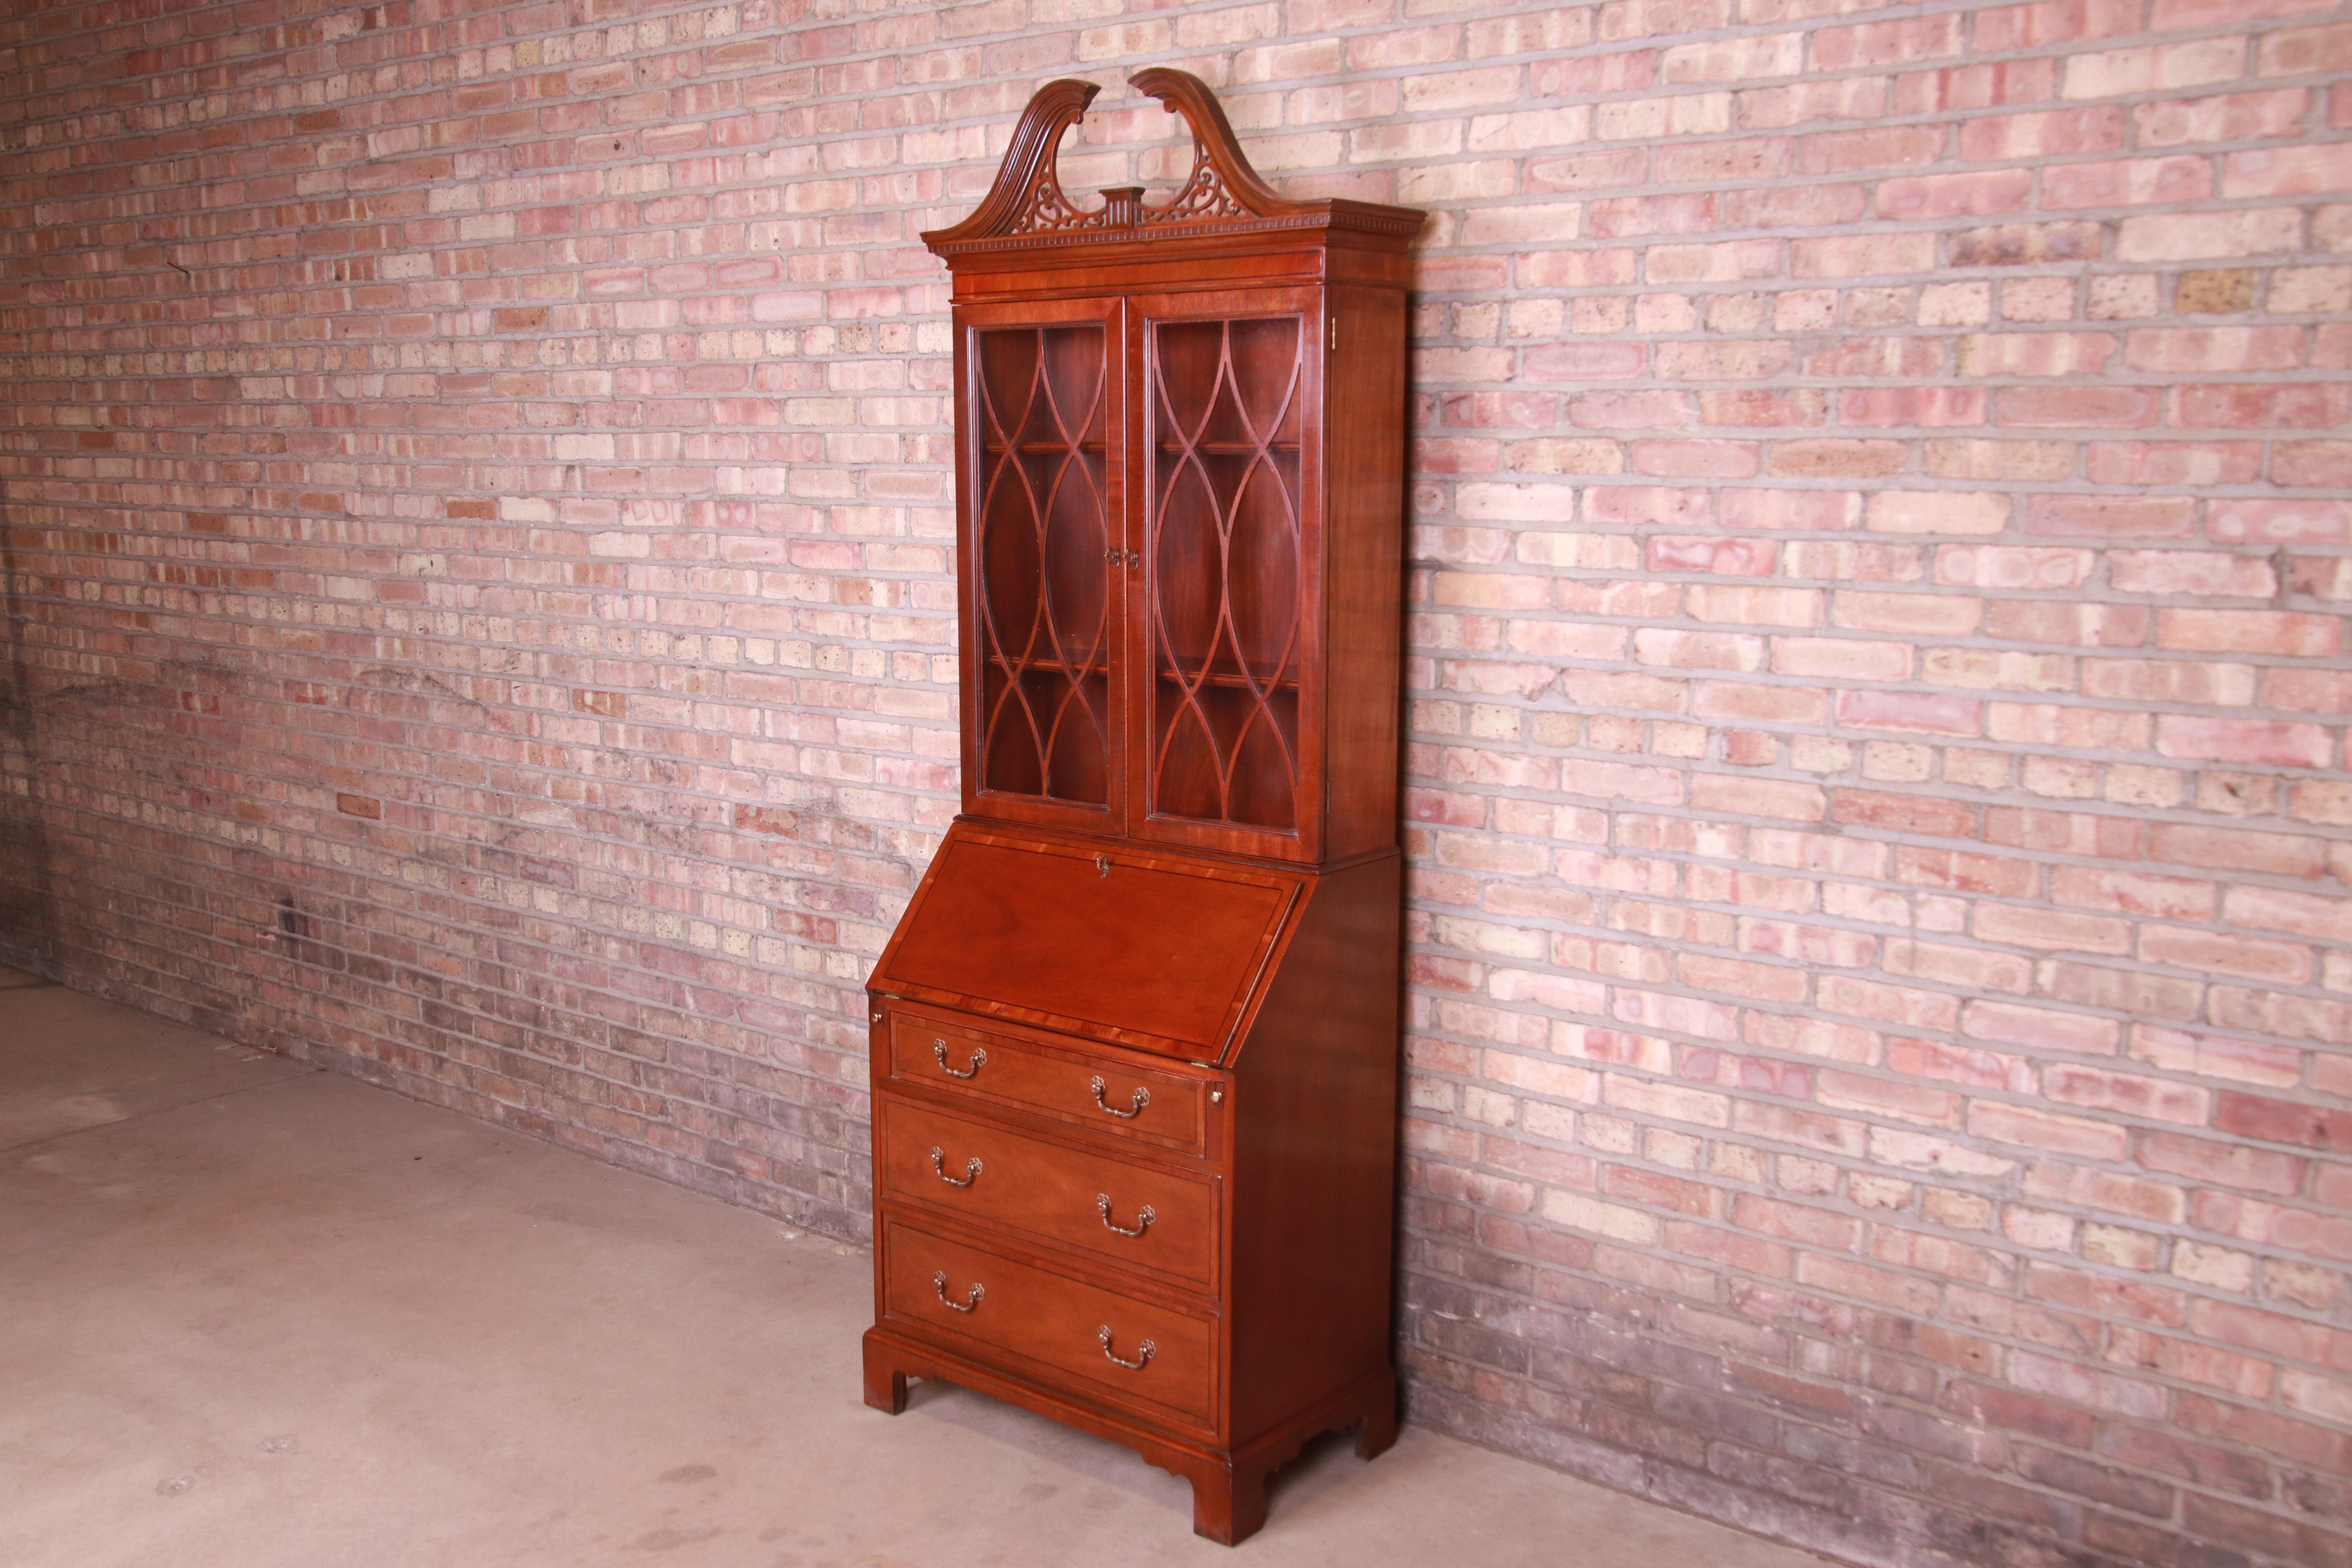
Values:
[(1052, 1323), (1034, 1073), (1041, 488), (1180, 443), (1314, 1165), (1112, 935), (1364, 639), (1222, 750), (1050, 1191), (1225, 679)]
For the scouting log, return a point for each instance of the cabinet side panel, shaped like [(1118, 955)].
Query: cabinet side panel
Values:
[(1364, 458), (1315, 1132)]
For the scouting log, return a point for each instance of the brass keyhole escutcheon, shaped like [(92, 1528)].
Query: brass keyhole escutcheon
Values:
[(1102, 865)]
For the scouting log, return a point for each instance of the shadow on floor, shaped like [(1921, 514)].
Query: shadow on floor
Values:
[(261, 1315)]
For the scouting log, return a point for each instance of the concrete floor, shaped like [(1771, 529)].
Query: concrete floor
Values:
[(253, 1314)]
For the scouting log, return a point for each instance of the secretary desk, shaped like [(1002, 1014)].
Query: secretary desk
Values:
[(1135, 1039)]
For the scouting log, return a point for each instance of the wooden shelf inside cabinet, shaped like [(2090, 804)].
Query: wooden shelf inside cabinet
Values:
[(1192, 671), (1136, 1035)]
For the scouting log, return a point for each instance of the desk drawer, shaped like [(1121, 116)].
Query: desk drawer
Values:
[(1103, 1094), (1057, 1323), (994, 1174)]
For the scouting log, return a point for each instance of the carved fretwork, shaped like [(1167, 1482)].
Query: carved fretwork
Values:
[(1203, 196), (1048, 208), (1027, 202)]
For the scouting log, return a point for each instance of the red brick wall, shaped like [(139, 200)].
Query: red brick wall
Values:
[(477, 517)]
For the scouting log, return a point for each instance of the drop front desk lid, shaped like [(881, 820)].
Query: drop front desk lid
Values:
[(1143, 947)]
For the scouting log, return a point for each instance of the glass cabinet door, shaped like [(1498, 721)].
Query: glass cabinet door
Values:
[(1040, 416), (1228, 612)]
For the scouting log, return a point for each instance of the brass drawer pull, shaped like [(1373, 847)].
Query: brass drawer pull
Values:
[(971, 1169), (1143, 1353), (939, 1055), (1141, 1097), (970, 1298), (1143, 1217)]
